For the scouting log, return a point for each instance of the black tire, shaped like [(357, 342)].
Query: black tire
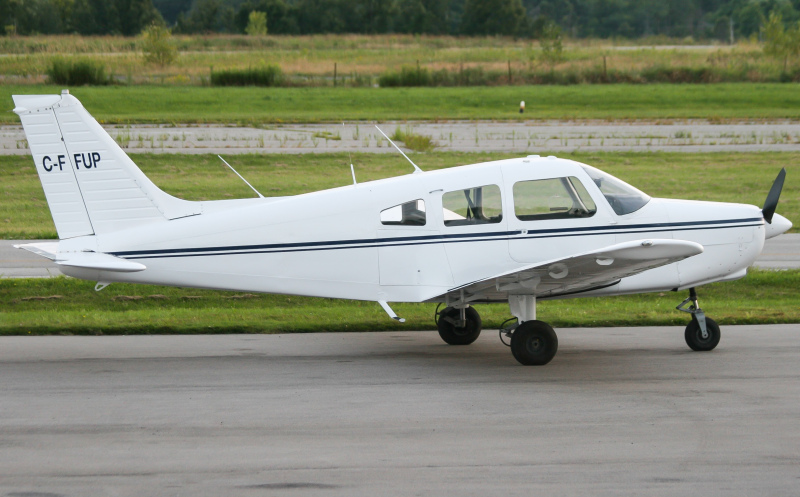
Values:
[(694, 337), (459, 336), (534, 343)]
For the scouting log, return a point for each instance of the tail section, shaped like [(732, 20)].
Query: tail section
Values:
[(91, 185)]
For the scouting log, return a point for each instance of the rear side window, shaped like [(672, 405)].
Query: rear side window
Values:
[(407, 214), (556, 198), (479, 205)]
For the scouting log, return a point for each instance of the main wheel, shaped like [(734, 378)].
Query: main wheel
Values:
[(694, 336), (459, 336), (534, 343)]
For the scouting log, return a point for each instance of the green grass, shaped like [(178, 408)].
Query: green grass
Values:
[(413, 141), (68, 306), (728, 176), (163, 104)]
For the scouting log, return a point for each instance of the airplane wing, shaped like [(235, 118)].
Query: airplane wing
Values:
[(86, 260), (578, 273)]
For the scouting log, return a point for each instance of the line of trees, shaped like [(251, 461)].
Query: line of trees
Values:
[(701, 19)]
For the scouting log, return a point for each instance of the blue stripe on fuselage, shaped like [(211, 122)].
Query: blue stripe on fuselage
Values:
[(438, 238)]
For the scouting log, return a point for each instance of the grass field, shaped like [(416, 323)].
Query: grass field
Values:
[(731, 177), (656, 102), (67, 306), (360, 59)]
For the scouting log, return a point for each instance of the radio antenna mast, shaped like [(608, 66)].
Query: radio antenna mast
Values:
[(416, 168), (240, 176), (352, 170)]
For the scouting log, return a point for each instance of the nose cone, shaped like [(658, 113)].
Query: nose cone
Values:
[(779, 225)]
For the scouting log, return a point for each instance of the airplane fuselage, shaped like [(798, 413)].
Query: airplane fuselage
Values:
[(336, 243)]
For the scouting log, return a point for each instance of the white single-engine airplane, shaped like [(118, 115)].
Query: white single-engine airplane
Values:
[(514, 230)]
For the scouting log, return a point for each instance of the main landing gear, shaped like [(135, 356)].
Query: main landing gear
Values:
[(702, 333), (459, 325), (533, 342)]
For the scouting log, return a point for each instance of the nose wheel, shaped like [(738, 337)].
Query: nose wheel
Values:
[(702, 333), (698, 341)]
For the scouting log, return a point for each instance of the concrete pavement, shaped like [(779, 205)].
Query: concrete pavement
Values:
[(619, 411), (531, 137)]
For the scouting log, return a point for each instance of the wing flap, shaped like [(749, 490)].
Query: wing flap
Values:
[(580, 272)]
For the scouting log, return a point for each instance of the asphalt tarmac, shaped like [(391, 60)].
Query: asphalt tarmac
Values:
[(782, 252), (619, 411)]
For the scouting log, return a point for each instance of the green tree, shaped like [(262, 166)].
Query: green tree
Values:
[(136, 15), (95, 17), (207, 16), (157, 45), (421, 16), (493, 17), (552, 45), (256, 24), (780, 43), (281, 17)]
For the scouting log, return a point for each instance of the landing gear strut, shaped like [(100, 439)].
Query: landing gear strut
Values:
[(702, 333), (533, 342)]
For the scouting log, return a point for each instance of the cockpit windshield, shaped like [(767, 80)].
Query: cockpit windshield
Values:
[(622, 197)]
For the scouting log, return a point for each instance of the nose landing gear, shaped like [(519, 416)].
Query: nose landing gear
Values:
[(702, 334)]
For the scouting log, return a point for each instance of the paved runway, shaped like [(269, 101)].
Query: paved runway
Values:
[(619, 411), (782, 252)]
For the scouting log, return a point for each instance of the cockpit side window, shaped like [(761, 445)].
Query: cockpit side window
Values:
[(479, 205), (622, 197), (556, 198), (407, 214)]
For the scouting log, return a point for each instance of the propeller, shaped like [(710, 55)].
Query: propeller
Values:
[(772, 198)]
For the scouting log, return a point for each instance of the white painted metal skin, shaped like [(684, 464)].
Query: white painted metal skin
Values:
[(115, 225)]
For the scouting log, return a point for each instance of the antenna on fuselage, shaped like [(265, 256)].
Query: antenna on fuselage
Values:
[(416, 168), (352, 169), (241, 177)]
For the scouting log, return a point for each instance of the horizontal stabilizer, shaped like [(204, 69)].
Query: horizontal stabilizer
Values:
[(45, 249), (96, 260), (86, 260)]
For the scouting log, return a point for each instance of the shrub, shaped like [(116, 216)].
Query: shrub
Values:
[(76, 72), (256, 24), (408, 76), (157, 45), (270, 75)]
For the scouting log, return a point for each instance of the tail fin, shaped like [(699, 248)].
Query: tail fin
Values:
[(91, 185)]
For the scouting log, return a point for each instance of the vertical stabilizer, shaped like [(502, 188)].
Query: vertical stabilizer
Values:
[(91, 184), (55, 171)]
